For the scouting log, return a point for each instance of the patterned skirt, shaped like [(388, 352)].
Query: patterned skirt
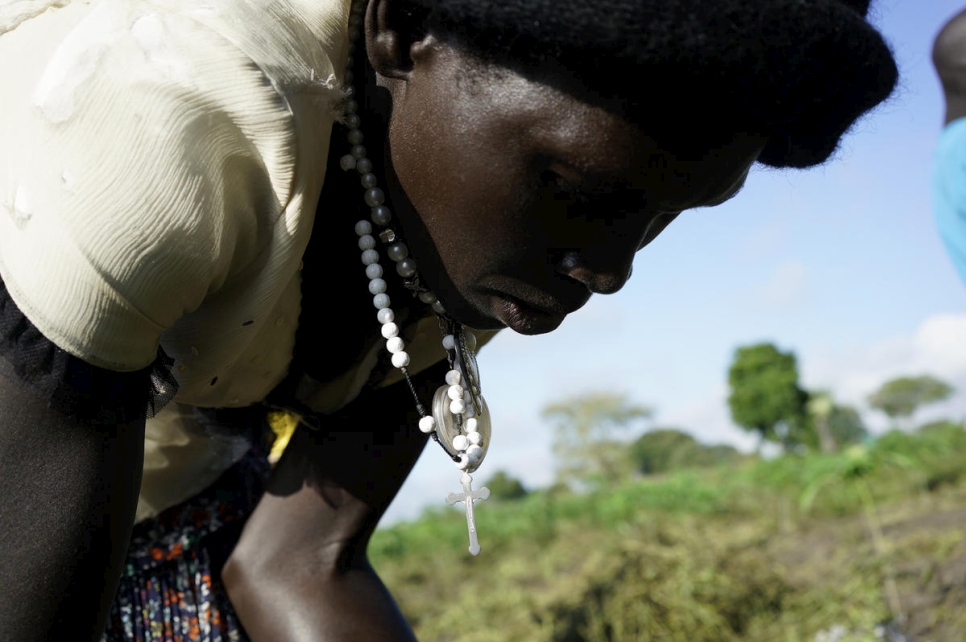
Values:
[(170, 589)]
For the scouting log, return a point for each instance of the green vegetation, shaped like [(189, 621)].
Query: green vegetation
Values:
[(752, 550), (504, 487), (900, 398), (765, 396), (586, 438), (665, 449)]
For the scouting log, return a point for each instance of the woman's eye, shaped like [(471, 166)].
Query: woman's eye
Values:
[(563, 188)]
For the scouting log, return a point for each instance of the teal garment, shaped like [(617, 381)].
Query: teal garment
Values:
[(949, 191)]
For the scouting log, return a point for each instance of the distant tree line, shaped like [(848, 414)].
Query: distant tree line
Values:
[(602, 438), (766, 399)]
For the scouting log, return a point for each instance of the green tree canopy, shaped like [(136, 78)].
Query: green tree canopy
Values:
[(585, 441), (846, 426), (503, 486), (765, 396), (666, 449), (901, 397)]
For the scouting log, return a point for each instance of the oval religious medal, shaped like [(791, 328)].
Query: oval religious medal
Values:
[(473, 438)]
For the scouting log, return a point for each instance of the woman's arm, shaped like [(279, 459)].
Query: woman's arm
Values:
[(68, 493), (300, 571)]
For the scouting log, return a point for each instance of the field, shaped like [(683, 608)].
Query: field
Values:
[(853, 546)]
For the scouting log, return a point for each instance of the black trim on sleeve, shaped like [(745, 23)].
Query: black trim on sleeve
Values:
[(73, 386)]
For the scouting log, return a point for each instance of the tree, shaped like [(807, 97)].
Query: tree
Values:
[(834, 425), (502, 486), (585, 437), (899, 398), (660, 450), (846, 426), (765, 396), (665, 449)]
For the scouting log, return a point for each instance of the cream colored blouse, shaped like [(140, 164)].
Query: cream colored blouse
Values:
[(160, 169)]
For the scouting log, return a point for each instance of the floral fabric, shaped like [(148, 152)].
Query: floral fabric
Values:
[(170, 589)]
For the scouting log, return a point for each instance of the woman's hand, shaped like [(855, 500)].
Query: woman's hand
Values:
[(300, 570)]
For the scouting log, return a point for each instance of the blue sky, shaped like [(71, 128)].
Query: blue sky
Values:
[(840, 263)]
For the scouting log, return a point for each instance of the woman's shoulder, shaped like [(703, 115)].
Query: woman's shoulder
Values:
[(153, 158)]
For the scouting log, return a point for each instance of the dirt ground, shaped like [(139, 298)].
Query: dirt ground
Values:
[(921, 548)]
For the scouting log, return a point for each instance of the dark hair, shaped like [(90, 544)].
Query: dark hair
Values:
[(799, 72)]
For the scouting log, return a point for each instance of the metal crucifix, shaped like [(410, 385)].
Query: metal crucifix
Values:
[(468, 496)]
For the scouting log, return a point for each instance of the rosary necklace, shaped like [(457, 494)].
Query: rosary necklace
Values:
[(458, 420)]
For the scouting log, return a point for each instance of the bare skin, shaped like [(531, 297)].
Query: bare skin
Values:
[(949, 59), (68, 506), (518, 204), (518, 201)]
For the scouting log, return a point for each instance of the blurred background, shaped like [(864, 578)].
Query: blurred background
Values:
[(760, 437)]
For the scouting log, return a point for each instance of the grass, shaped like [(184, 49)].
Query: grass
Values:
[(774, 550)]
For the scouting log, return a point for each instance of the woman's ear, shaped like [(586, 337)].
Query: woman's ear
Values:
[(395, 37)]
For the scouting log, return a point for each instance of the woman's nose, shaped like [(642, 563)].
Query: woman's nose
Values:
[(600, 276)]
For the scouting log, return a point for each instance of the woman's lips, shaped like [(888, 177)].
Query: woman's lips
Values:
[(524, 318)]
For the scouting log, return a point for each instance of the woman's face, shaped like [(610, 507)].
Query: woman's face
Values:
[(519, 201)]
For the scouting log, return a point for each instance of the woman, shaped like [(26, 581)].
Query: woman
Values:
[(170, 243)]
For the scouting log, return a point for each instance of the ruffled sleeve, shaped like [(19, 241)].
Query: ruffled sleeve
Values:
[(147, 164), (73, 386)]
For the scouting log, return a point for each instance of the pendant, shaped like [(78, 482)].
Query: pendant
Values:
[(468, 496), (470, 433)]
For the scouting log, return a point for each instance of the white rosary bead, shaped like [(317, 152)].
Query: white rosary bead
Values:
[(374, 271), (449, 342), (386, 315), (367, 242), (427, 424), (470, 411), (369, 257), (400, 359), (475, 438), (363, 165), (355, 137), (390, 330), (380, 301), (377, 286), (463, 463), (455, 392), (347, 162), (472, 425), (395, 344), (453, 377), (457, 406), (427, 297), (363, 227), (475, 453), (358, 151), (460, 443), (352, 107), (353, 121), (369, 180)]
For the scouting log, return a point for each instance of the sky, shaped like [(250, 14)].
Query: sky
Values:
[(841, 264)]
